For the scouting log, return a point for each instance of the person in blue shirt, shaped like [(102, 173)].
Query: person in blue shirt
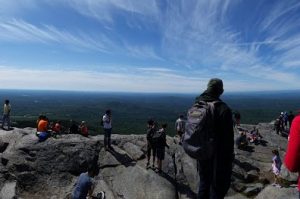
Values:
[(85, 185)]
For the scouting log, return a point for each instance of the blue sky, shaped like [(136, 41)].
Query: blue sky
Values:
[(149, 45)]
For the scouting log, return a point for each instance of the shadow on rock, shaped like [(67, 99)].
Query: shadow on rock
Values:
[(245, 165), (124, 159)]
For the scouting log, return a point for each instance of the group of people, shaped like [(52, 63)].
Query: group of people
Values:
[(214, 171), (156, 143), (283, 122), (46, 129), (245, 137)]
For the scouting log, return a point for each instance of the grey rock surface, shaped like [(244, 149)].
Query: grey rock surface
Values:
[(30, 169)]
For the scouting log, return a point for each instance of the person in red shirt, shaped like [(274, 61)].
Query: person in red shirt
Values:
[(292, 157), (84, 129)]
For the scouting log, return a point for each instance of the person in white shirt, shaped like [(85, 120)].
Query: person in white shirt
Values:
[(180, 127), (107, 120), (6, 114)]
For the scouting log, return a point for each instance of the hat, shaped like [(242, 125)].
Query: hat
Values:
[(215, 85), (83, 122)]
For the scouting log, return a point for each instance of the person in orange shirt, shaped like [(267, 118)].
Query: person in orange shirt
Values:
[(42, 128), (84, 129)]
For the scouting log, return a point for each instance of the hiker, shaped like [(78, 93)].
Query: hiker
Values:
[(276, 167), (290, 118), (292, 156), (6, 114), (278, 125), (57, 128), (85, 185), (107, 126), (209, 138), (241, 141), (150, 146), (83, 129), (237, 118), (160, 142), (43, 128), (255, 136), (180, 127), (285, 119), (74, 129)]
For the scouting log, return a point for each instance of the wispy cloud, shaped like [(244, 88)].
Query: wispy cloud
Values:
[(21, 31)]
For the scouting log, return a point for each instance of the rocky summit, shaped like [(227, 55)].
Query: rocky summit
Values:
[(36, 170)]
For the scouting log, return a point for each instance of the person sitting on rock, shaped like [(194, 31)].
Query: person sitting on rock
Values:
[(73, 128), (85, 185), (255, 136), (150, 146), (42, 128), (241, 142), (57, 128), (160, 142), (276, 167), (83, 129)]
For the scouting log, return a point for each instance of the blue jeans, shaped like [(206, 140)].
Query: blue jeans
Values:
[(6, 119), (107, 137)]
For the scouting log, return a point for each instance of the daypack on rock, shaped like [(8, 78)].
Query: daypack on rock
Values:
[(158, 138), (199, 136)]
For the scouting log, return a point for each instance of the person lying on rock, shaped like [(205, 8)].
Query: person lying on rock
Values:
[(85, 185)]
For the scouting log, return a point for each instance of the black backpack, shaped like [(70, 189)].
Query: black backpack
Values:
[(199, 137), (158, 138)]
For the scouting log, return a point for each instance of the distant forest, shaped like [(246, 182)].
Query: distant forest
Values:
[(132, 110)]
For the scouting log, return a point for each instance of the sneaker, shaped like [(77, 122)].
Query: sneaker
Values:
[(278, 186), (101, 195)]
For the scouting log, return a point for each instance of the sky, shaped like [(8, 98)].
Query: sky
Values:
[(149, 45)]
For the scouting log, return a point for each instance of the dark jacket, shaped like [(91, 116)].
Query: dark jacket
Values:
[(224, 127)]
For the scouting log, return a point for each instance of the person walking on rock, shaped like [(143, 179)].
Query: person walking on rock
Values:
[(107, 126), (6, 114), (180, 127), (209, 138), (276, 167), (292, 157)]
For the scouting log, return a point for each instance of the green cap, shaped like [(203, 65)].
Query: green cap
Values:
[(215, 86)]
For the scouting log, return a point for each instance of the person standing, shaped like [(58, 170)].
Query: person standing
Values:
[(292, 156), (180, 127), (150, 146), (290, 118), (216, 132), (6, 114), (107, 126)]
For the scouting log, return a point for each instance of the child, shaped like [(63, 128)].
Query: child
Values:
[(276, 167)]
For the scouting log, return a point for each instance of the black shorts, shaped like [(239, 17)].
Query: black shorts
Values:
[(160, 153)]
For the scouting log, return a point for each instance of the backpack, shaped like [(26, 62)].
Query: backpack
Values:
[(199, 137), (158, 138)]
